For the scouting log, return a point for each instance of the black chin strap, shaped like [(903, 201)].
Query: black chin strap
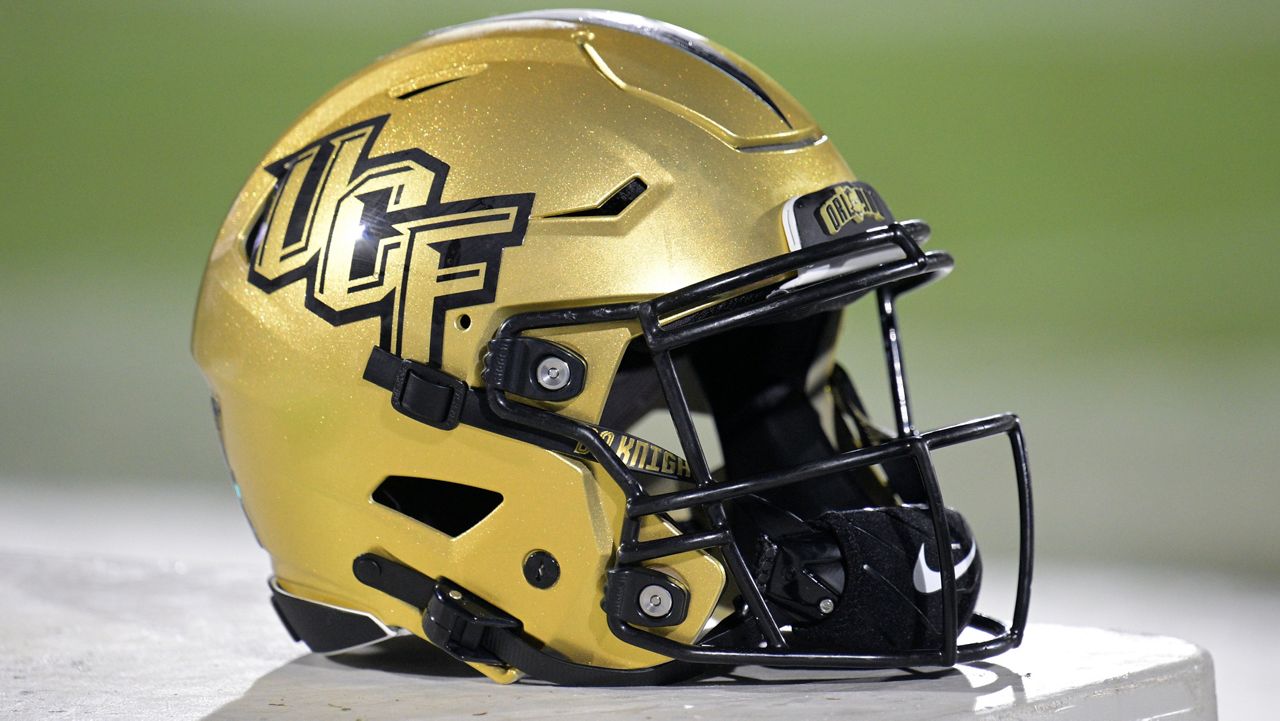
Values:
[(471, 630)]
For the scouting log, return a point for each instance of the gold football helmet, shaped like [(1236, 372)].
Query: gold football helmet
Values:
[(520, 341)]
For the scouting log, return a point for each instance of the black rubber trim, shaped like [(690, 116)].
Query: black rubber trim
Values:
[(324, 628)]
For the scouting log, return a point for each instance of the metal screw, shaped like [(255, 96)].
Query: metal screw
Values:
[(655, 601), (826, 605), (553, 373), (541, 569), (455, 595)]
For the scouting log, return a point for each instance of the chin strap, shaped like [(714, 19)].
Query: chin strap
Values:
[(472, 630)]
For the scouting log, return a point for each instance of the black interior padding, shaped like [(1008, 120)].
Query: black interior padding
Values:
[(636, 390), (754, 380)]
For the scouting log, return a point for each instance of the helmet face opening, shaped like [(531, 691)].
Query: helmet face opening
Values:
[(835, 555)]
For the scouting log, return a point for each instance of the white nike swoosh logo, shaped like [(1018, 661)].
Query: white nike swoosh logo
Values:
[(927, 580)]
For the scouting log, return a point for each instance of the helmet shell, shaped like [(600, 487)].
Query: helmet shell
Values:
[(562, 110)]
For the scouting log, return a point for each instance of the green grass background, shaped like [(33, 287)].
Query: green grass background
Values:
[(1105, 173)]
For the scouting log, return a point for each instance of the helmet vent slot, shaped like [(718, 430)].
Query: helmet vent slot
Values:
[(451, 508), (613, 205), (418, 91)]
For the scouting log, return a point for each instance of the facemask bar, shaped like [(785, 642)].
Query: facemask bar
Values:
[(700, 311)]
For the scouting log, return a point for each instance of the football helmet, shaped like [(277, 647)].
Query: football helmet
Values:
[(521, 341)]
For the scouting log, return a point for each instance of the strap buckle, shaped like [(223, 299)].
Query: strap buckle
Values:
[(423, 393), (461, 623), (428, 395)]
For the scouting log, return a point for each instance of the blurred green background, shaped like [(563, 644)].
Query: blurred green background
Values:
[(1106, 175)]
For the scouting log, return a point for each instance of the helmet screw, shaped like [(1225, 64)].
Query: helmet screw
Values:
[(541, 569), (553, 373), (655, 601), (455, 595), (826, 605)]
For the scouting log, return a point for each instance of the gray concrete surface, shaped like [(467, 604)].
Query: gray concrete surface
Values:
[(99, 639), (1233, 616)]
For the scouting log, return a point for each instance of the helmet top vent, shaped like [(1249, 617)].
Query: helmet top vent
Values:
[(665, 33)]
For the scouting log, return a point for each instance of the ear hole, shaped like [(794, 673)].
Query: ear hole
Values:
[(463, 322), (450, 508)]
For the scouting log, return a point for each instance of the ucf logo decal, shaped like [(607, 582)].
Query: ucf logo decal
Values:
[(372, 238)]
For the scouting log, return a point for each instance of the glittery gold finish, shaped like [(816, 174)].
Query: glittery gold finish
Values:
[(569, 111)]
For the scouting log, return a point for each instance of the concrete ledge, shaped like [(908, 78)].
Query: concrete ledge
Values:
[(139, 640)]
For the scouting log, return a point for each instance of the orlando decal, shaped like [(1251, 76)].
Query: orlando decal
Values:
[(371, 238)]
